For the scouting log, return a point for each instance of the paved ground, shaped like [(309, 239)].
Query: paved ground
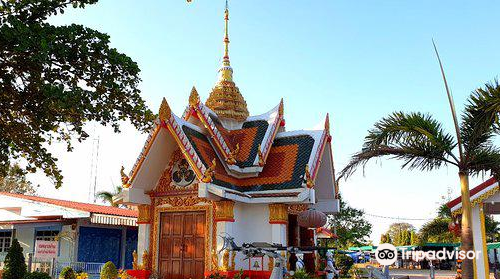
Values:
[(420, 274)]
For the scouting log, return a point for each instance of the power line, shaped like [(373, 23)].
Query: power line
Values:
[(398, 218)]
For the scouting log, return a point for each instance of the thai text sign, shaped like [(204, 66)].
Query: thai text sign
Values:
[(45, 250)]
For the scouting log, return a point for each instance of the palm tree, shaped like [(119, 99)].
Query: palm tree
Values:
[(107, 196), (421, 143)]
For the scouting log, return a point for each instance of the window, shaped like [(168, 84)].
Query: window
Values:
[(5, 240), (46, 235)]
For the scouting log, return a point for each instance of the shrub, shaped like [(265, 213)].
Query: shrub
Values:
[(344, 264), (82, 275), (301, 274), (216, 275), (67, 273), (109, 271), (15, 266), (37, 275)]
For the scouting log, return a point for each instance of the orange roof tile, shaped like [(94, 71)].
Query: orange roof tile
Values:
[(88, 207), (284, 168)]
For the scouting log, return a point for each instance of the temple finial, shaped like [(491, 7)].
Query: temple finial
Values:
[(164, 113), (225, 99), (194, 98), (327, 123), (226, 72), (226, 33)]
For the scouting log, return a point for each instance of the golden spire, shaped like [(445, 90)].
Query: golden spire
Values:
[(226, 72), (225, 99)]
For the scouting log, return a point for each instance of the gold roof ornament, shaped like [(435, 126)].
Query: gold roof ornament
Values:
[(309, 181), (231, 160), (281, 108), (261, 156), (225, 99), (165, 111), (194, 98), (327, 123), (209, 173), (125, 178)]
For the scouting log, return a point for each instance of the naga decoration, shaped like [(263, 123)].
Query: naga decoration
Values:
[(231, 156), (125, 178), (308, 179), (209, 173), (261, 156)]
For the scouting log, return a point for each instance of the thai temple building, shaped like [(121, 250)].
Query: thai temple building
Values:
[(216, 170)]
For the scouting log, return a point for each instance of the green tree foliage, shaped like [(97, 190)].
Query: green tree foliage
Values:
[(54, 79), (15, 181), (109, 271), (107, 196), (37, 275), (492, 229), (414, 240), (399, 234), (344, 263), (67, 273), (385, 238), (351, 225), (437, 231), (15, 266)]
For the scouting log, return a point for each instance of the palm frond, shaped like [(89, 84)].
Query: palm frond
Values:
[(484, 160), (415, 138), (106, 196), (480, 118)]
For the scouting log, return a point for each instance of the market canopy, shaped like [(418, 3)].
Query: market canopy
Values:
[(494, 245), (363, 248)]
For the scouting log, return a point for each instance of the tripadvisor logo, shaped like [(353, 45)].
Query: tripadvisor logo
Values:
[(386, 254)]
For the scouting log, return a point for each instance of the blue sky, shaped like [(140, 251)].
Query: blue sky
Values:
[(356, 60)]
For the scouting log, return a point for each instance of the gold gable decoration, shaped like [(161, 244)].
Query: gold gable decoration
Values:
[(144, 214), (224, 211), (297, 208), (179, 201), (278, 213)]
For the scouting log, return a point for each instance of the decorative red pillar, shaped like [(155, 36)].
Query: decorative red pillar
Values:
[(307, 239)]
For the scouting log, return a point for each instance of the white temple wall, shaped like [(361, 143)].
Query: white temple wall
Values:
[(251, 225)]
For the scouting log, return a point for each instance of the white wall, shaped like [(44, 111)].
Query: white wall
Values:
[(251, 225), (25, 234), (67, 244)]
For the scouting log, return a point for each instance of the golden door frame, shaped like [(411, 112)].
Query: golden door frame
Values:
[(210, 228)]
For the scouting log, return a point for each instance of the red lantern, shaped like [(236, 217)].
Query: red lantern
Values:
[(311, 219)]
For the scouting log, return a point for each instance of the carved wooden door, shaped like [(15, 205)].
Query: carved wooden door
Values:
[(182, 245)]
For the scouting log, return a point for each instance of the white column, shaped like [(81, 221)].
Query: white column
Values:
[(278, 219), (224, 218), (278, 234), (143, 240), (479, 240)]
